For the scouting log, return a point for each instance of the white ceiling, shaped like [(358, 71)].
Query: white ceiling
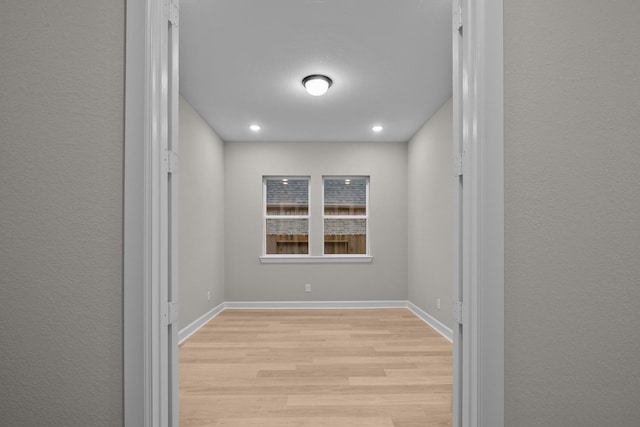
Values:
[(242, 62)]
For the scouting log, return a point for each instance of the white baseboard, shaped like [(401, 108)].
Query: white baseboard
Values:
[(314, 304), (202, 320), (193, 327), (431, 321)]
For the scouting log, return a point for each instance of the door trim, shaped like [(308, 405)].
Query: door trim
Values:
[(482, 116), (142, 264)]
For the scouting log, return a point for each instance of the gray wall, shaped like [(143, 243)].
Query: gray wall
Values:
[(61, 163), (431, 185), (201, 216), (248, 280), (572, 203)]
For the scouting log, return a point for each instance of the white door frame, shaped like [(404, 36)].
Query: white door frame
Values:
[(460, 412), (481, 113), (150, 214)]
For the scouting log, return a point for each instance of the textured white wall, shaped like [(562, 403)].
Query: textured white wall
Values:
[(248, 280), (431, 184), (572, 228), (61, 163), (201, 216)]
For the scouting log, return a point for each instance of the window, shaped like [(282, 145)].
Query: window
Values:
[(345, 215), (286, 215), (343, 220)]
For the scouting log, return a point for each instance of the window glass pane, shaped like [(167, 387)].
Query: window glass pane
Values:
[(287, 196), (345, 236), (345, 196), (287, 236)]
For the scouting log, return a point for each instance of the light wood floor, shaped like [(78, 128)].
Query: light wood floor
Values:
[(316, 368)]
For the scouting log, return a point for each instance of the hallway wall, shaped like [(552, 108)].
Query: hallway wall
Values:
[(249, 280), (200, 216), (61, 168), (572, 229), (431, 185), (572, 183)]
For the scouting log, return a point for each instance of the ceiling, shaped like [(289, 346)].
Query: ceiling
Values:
[(242, 62)]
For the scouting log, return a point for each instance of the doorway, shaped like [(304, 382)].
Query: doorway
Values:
[(481, 130)]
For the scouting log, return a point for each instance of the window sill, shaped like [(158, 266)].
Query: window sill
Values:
[(307, 259)]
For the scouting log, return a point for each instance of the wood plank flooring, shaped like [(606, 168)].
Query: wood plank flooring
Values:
[(316, 368)]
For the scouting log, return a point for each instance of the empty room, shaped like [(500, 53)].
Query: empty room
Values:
[(86, 329), (316, 213)]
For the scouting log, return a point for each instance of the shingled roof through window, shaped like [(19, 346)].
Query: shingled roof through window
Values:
[(294, 193), (338, 193)]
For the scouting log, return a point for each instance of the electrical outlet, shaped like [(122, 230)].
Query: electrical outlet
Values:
[(208, 295), (307, 288), (438, 303)]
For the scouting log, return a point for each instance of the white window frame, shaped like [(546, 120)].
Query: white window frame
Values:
[(265, 216), (365, 216), (311, 258)]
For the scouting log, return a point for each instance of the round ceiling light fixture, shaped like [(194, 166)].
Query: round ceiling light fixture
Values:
[(317, 84)]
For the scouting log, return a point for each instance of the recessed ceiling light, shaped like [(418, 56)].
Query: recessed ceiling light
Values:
[(377, 128), (317, 84), (255, 128)]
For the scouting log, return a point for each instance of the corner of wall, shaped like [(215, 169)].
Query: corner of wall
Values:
[(430, 216)]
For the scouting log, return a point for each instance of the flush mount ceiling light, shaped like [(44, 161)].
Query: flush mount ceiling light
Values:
[(255, 128), (317, 84), (377, 128)]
